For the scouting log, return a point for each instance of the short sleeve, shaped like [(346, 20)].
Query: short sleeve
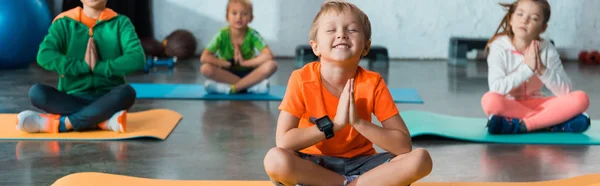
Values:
[(385, 107), (293, 101), (258, 41), (215, 43)]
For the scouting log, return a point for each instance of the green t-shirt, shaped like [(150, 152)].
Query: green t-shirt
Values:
[(222, 46)]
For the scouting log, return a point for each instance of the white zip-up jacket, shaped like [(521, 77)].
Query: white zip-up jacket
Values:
[(509, 75)]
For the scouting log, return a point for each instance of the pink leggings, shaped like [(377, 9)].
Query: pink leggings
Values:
[(537, 113)]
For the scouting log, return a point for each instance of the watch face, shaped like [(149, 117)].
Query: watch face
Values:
[(324, 121), (319, 122)]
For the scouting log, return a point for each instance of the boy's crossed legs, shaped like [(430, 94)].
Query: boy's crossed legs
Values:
[(107, 112), (291, 168), (254, 81)]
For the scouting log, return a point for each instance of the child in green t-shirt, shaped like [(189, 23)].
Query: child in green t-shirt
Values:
[(237, 69)]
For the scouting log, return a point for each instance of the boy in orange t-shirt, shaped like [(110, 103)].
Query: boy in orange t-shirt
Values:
[(313, 149)]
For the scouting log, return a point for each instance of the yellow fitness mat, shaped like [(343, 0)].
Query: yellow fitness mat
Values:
[(92, 178), (156, 123)]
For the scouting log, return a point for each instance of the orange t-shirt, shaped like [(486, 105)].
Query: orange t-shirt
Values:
[(88, 21), (304, 98)]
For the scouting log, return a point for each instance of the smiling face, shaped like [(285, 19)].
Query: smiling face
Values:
[(528, 20), (340, 37)]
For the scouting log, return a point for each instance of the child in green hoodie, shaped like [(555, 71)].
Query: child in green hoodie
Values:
[(92, 49)]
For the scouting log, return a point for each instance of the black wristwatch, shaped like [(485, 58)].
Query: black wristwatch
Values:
[(325, 125)]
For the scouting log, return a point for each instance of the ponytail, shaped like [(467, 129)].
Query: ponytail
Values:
[(504, 24)]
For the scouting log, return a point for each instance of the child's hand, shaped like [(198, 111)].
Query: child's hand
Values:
[(244, 63), (91, 56), (531, 56), (240, 60), (237, 54), (341, 116), (352, 114), (225, 65)]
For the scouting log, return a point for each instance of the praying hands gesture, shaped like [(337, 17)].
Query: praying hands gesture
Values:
[(346, 111), (91, 56), (237, 54), (533, 60)]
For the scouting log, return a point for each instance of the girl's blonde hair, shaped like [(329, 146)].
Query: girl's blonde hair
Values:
[(339, 7)]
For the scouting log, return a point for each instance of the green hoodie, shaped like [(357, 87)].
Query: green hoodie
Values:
[(118, 47)]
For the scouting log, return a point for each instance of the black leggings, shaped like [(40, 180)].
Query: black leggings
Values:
[(84, 112)]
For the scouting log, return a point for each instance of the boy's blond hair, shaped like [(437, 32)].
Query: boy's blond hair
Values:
[(246, 3), (339, 6)]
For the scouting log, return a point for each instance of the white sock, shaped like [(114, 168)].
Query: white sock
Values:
[(260, 88), (216, 87)]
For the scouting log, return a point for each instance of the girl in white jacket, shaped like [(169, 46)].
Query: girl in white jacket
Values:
[(520, 63)]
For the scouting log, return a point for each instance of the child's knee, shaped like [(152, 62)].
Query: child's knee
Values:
[(278, 163), (127, 95), (37, 95), (581, 99), (207, 70), (270, 67), (127, 91), (425, 163), (272, 64), (492, 103)]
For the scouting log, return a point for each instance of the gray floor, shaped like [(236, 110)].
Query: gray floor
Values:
[(226, 140)]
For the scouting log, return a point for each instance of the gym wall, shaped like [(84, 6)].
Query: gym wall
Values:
[(414, 29)]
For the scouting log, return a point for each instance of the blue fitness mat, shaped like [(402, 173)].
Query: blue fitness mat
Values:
[(276, 93), (421, 123)]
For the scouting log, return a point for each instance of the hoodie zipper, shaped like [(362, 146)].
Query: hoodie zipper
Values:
[(91, 34)]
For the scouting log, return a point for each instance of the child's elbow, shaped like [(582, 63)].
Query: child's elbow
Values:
[(269, 55), (401, 148), (407, 147), (404, 147), (44, 62), (141, 61), (405, 144), (280, 144), (283, 145), (498, 87), (40, 61), (206, 56), (203, 59)]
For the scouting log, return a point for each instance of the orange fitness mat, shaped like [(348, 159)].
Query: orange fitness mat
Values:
[(156, 123), (92, 178)]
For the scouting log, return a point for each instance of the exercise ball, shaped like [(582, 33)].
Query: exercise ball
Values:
[(180, 44), (152, 47), (23, 25)]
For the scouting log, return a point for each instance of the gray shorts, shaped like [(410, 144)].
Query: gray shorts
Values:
[(349, 166)]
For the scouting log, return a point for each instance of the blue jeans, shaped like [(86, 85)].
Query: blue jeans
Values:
[(85, 112)]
